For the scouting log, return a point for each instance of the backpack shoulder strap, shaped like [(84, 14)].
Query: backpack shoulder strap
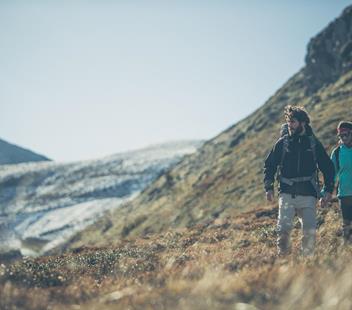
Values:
[(337, 157), (313, 145), (285, 144)]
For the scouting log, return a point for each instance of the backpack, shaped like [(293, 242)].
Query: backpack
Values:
[(314, 178), (284, 134), (337, 156)]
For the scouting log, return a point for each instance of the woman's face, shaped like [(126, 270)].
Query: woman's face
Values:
[(346, 138)]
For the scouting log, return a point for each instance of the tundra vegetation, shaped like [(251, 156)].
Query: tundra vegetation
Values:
[(225, 263)]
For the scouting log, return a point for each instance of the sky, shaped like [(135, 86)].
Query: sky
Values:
[(85, 79)]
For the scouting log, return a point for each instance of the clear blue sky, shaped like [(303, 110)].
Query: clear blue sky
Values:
[(84, 79)]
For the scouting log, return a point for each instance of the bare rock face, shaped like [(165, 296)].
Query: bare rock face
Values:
[(10, 256), (329, 53)]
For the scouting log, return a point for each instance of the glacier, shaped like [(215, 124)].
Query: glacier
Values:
[(42, 204)]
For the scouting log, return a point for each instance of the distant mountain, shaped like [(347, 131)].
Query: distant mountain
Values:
[(13, 154), (224, 177), (42, 204)]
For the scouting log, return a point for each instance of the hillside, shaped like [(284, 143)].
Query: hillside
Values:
[(43, 204), (222, 264), (13, 154), (224, 176)]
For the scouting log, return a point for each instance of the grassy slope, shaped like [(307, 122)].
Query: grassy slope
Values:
[(215, 265), (223, 179)]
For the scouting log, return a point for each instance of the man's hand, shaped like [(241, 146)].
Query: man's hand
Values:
[(270, 196), (324, 201)]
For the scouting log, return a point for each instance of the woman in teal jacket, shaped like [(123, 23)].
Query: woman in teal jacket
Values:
[(342, 159)]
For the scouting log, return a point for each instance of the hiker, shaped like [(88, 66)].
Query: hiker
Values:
[(342, 159), (295, 157)]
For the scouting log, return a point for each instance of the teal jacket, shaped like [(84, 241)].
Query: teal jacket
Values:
[(344, 175)]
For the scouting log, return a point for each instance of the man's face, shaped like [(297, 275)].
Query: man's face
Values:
[(294, 126), (346, 137)]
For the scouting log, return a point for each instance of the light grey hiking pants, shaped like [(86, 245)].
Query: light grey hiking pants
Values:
[(304, 207)]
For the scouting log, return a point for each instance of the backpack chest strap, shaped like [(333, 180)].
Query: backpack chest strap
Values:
[(291, 181), (312, 179)]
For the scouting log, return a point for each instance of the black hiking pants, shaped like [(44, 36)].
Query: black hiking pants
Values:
[(346, 208)]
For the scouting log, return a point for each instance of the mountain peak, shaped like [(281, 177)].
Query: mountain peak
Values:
[(329, 54), (13, 154)]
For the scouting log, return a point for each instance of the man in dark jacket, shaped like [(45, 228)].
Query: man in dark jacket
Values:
[(295, 157)]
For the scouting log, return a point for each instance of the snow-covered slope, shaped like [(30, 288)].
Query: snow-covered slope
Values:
[(42, 204)]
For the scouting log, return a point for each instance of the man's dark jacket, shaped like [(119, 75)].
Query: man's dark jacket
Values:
[(298, 162)]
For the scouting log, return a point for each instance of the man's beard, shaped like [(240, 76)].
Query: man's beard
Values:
[(297, 131)]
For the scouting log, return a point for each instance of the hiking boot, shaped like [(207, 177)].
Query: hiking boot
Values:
[(307, 253), (283, 245), (283, 254)]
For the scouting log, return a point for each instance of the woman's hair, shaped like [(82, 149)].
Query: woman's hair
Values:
[(296, 112)]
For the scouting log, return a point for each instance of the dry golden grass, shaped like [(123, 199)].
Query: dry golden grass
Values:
[(221, 264)]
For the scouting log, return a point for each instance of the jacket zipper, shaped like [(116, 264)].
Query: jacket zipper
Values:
[(298, 165), (299, 156)]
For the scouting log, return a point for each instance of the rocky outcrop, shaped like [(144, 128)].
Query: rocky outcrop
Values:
[(329, 53), (10, 256)]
